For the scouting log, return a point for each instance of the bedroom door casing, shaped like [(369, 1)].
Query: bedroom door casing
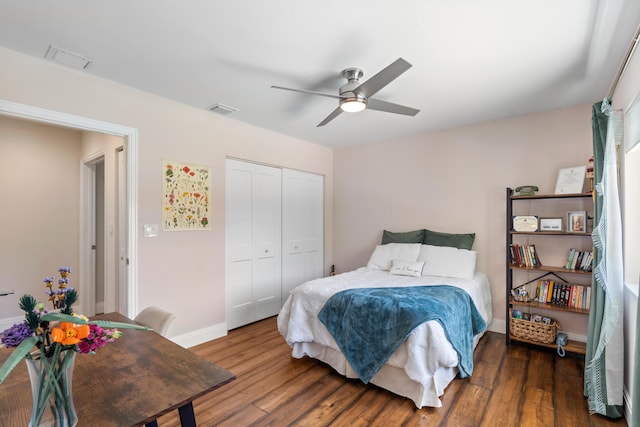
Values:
[(253, 247), (302, 228)]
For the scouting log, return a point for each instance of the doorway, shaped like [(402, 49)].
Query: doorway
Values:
[(130, 153)]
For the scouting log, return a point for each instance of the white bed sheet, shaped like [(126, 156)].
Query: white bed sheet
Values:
[(420, 369)]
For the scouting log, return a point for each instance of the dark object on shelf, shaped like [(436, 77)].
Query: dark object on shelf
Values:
[(525, 190)]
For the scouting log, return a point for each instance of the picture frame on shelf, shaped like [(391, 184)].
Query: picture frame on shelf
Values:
[(525, 223), (577, 221), (571, 180), (550, 224)]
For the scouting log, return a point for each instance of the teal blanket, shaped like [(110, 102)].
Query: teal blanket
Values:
[(369, 324)]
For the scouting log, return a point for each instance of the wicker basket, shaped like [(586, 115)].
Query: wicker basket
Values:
[(534, 331)]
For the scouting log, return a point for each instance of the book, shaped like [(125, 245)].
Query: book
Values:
[(572, 252)]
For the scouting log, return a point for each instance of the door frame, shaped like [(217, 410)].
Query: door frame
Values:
[(130, 136)]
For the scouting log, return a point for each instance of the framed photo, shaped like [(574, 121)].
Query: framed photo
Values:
[(550, 224), (577, 221)]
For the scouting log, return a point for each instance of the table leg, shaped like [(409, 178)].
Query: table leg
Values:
[(153, 423), (187, 417)]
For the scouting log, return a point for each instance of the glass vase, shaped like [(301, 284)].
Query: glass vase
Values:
[(51, 390)]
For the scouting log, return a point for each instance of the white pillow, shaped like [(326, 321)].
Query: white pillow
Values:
[(383, 255), (446, 261), (406, 268)]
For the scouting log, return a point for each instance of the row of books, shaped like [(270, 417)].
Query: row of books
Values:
[(579, 260), (524, 255), (564, 294)]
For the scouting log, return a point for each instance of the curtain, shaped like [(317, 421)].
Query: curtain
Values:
[(603, 380)]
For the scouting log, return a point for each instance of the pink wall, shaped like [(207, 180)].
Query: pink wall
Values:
[(40, 208), (181, 271), (453, 181)]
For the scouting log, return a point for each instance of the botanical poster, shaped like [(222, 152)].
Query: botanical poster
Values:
[(186, 196)]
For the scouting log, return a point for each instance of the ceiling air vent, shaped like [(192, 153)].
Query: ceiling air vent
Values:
[(222, 109), (68, 58)]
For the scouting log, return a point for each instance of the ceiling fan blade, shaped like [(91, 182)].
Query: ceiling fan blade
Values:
[(328, 95), (330, 117), (390, 107), (383, 78)]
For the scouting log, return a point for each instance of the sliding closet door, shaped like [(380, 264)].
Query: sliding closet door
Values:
[(253, 242), (302, 228)]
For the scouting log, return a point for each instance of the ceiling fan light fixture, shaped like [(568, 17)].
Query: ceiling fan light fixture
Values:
[(353, 105)]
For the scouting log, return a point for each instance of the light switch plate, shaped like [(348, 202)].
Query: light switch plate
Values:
[(151, 230)]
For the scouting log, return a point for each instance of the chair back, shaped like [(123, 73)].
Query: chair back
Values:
[(156, 319)]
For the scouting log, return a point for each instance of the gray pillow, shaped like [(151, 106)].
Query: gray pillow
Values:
[(460, 241), (406, 237)]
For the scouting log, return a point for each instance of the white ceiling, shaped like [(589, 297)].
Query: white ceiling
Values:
[(473, 60)]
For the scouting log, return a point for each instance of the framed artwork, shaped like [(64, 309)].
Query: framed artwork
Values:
[(186, 196), (571, 180), (577, 222), (550, 224)]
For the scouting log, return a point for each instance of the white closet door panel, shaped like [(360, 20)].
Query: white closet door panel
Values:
[(313, 263), (303, 228), (267, 288), (238, 205), (293, 272), (253, 242), (240, 304), (267, 202), (267, 207)]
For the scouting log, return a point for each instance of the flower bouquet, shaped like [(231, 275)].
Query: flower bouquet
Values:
[(49, 341)]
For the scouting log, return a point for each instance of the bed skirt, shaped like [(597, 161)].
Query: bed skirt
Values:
[(389, 377)]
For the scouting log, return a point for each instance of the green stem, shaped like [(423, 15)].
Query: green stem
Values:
[(50, 372)]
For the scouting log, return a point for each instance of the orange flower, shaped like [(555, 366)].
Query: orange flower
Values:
[(69, 333)]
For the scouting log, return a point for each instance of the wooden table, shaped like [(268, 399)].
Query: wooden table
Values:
[(129, 382)]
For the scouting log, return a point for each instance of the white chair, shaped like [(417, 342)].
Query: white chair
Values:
[(156, 319)]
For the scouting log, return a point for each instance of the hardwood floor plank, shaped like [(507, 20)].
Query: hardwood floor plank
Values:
[(540, 370), (511, 386), (289, 403), (504, 403), (470, 406), (363, 411), (333, 405), (537, 408), (571, 406)]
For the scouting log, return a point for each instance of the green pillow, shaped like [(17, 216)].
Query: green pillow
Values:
[(460, 241), (406, 237)]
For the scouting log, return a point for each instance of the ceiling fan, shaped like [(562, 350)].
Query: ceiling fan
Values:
[(355, 96)]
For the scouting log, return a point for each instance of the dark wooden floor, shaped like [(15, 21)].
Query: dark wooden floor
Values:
[(515, 386)]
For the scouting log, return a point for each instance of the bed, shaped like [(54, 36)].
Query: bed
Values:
[(426, 362)]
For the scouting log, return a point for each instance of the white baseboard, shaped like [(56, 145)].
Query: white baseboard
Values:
[(498, 325), (200, 336)]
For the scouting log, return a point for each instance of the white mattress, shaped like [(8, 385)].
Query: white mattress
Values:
[(420, 369)]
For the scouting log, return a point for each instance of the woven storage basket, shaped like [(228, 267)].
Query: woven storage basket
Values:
[(534, 331)]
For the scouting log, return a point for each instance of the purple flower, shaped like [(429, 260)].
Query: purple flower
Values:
[(13, 336)]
